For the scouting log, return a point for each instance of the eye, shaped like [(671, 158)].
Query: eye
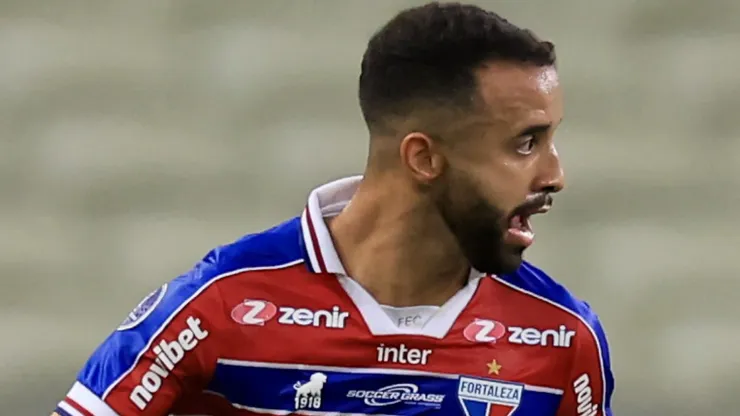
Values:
[(526, 144)]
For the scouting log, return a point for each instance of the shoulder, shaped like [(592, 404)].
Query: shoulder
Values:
[(591, 349), (536, 284), (276, 247), (590, 338), (194, 296), (590, 382), (273, 249)]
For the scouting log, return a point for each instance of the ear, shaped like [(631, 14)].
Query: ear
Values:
[(422, 157)]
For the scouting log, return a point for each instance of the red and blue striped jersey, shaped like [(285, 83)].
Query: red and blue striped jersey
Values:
[(271, 324)]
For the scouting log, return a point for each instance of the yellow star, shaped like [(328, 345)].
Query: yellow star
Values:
[(493, 367)]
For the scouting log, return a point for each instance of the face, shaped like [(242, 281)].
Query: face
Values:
[(506, 169)]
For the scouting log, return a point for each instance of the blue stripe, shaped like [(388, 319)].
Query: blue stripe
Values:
[(531, 279), (304, 250), (62, 412), (276, 246), (365, 391)]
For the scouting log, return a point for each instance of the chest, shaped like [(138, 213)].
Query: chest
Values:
[(320, 355), (344, 370), (284, 389)]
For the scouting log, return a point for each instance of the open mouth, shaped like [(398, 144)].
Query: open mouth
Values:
[(520, 222), (520, 230)]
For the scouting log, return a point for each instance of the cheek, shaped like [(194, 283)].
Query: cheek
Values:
[(506, 184)]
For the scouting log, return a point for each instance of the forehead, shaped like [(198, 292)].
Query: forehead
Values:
[(518, 95)]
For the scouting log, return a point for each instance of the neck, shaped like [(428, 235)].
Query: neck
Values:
[(402, 254)]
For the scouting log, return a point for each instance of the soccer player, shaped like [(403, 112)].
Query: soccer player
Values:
[(400, 292)]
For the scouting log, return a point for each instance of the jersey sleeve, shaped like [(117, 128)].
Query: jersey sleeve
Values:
[(165, 348), (590, 384)]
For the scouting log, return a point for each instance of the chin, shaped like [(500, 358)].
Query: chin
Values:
[(511, 264), (502, 263)]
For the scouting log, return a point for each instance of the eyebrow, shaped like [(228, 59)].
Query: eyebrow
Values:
[(534, 130)]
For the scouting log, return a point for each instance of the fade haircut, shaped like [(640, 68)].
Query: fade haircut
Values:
[(425, 58)]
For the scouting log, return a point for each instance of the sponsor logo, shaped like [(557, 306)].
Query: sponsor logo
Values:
[(560, 338), (308, 394), (398, 393), (258, 312), (484, 330), (488, 331), (253, 312), (402, 355), (584, 396), (480, 397), (168, 354), (143, 309)]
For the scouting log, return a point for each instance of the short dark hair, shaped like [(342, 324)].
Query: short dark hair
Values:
[(426, 56)]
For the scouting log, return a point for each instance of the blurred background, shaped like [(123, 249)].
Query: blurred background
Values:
[(136, 135)]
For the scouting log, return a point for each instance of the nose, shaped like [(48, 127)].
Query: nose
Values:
[(550, 178)]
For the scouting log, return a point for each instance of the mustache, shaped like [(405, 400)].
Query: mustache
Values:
[(534, 203)]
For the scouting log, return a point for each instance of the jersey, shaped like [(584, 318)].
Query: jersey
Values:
[(271, 324)]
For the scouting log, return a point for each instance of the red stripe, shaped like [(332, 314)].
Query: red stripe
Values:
[(77, 407), (315, 242)]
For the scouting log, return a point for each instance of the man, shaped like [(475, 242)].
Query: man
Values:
[(400, 292)]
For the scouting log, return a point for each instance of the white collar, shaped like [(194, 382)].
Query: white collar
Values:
[(329, 200)]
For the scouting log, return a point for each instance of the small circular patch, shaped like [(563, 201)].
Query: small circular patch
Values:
[(143, 309)]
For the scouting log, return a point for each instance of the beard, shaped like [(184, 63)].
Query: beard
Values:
[(478, 225)]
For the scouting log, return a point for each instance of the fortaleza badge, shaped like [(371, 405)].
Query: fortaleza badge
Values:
[(143, 309), (482, 397)]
